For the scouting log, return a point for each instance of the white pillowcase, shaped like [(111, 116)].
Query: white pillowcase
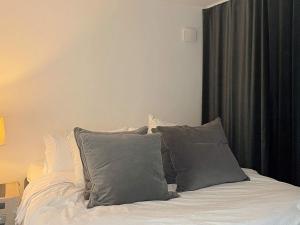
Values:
[(57, 154), (154, 122), (78, 169)]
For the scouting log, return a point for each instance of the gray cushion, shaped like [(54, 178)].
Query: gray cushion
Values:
[(201, 156), (169, 170), (78, 131), (123, 168)]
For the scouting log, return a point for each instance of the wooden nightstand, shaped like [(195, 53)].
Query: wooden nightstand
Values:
[(10, 198)]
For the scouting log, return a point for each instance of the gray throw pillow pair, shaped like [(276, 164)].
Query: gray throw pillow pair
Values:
[(122, 167), (200, 156)]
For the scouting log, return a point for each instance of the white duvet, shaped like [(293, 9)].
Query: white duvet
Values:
[(53, 200)]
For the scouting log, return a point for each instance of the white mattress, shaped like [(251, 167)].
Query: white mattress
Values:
[(53, 200)]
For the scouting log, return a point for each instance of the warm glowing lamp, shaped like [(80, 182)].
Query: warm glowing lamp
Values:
[(2, 131)]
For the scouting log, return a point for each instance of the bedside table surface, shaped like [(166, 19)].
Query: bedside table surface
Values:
[(9, 201)]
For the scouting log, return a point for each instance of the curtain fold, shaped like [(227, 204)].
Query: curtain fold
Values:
[(251, 80), (296, 89)]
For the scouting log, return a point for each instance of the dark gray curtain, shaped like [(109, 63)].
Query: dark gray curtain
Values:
[(251, 80), (296, 89)]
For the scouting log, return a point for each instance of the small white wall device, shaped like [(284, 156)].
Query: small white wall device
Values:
[(189, 34)]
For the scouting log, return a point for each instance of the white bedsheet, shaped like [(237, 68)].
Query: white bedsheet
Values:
[(53, 200)]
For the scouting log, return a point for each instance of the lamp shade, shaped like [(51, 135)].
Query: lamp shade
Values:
[(2, 131)]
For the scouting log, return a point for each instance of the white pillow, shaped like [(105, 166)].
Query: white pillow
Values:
[(57, 154), (35, 171), (78, 169), (155, 122)]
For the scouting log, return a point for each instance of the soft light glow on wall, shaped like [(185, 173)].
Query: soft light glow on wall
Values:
[(28, 44), (2, 131)]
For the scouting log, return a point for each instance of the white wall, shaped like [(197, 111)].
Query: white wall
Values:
[(98, 64)]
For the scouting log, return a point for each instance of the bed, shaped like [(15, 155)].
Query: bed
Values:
[(54, 200)]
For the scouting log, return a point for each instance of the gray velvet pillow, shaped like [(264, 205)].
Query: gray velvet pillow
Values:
[(123, 168), (78, 131), (169, 170), (201, 156)]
